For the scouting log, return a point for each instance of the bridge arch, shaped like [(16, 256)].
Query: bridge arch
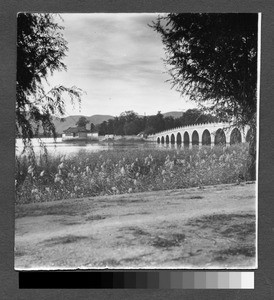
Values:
[(186, 138), (220, 138), (205, 134), (179, 138), (206, 138), (172, 138), (235, 136), (195, 138)]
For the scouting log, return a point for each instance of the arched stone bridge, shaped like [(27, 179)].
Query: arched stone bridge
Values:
[(203, 134)]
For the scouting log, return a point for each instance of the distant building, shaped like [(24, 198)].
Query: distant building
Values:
[(93, 136), (79, 133), (75, 133), (109, 136)]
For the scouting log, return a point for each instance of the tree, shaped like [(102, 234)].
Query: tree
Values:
[(92, 127), (103, 128), (213, 60), (82, 122), (128, 116), (134, 127), (169, 122), (196, 116), (41, 48)]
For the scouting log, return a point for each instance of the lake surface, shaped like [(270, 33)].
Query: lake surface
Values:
[(62, 148)]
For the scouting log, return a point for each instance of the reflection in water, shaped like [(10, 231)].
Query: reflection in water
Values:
[(68, 148)]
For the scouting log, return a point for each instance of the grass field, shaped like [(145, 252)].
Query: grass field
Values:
[(51, 178)]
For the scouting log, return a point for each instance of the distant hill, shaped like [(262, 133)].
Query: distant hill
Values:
[(71, 121), (174, 114)]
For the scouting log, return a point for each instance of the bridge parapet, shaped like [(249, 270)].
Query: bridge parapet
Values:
[(204, 133), (219, 124)]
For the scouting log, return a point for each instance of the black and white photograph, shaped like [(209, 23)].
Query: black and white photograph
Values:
[(137, 141)]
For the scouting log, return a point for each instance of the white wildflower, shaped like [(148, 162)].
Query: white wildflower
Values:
[(30, 169), (61, 166), (34, 191), (123, 171), (57, 179)]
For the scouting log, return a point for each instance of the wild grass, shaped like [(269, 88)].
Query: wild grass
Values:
[(52, 178)]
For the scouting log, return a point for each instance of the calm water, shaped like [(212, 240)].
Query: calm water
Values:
[(62, 148)]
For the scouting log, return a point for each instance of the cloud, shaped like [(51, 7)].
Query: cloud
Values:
[(117, 60)]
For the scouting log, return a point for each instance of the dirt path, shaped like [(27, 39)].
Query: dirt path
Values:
[(212, 227)]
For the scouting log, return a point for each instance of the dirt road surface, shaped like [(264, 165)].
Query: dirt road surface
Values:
[(212, 227)]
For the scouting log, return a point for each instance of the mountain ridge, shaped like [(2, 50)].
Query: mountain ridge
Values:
[(70, 121)]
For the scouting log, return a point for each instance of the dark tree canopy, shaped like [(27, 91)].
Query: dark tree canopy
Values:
[(92, 127), (82, 122), (41, 48), (213, 58), (129, 123)]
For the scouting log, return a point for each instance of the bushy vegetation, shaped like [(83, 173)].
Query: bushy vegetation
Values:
[(52, 178), (129, 123)]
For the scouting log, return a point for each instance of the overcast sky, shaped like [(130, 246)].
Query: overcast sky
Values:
[(117, 60)]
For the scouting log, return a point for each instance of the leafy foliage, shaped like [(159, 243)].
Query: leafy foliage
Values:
[(82, 122), (41, 48), (213, 57), (129, 123), (92, 127)]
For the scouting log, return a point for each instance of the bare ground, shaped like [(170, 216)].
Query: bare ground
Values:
[(213, 227)]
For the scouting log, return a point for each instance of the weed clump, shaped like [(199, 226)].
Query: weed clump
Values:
[(109, 172)]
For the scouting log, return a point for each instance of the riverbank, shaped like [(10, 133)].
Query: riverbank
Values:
[(124, 138), (212, 227)]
